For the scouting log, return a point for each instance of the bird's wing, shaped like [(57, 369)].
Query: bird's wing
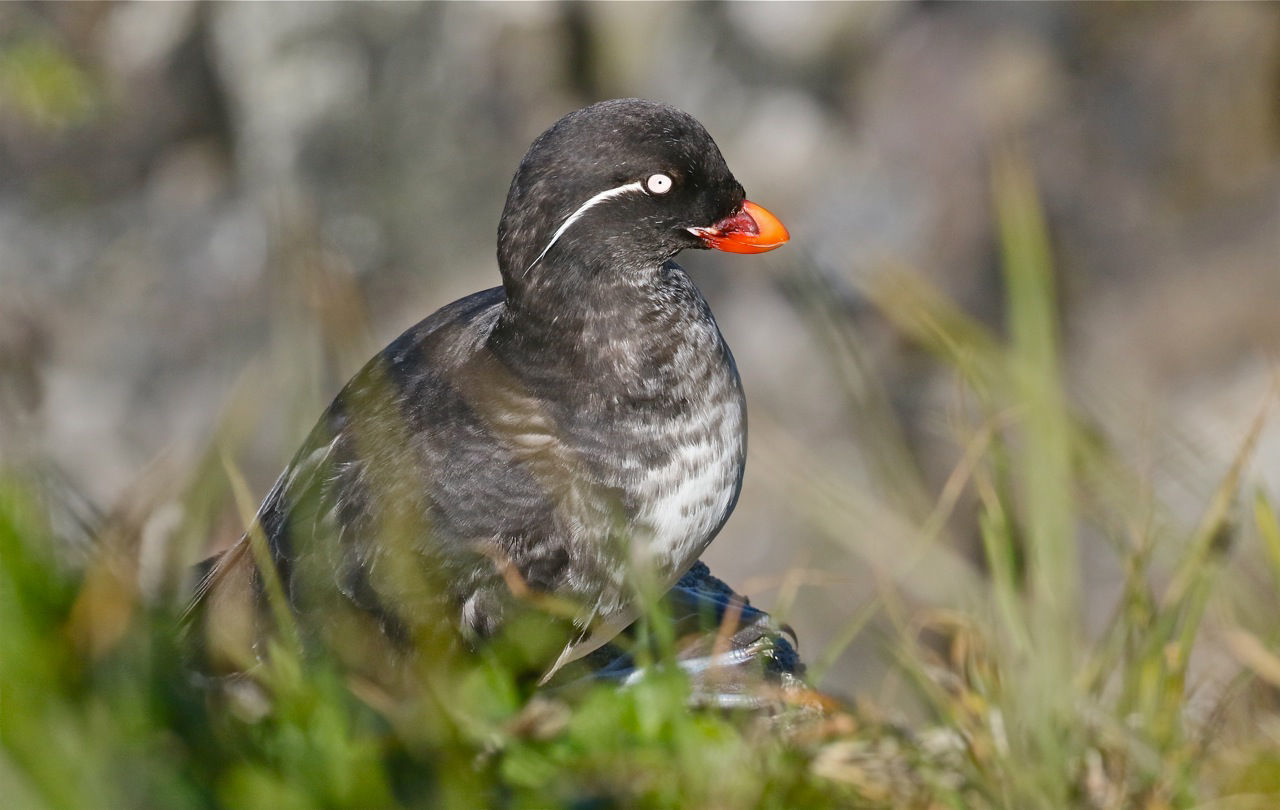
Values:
[(323, 493)]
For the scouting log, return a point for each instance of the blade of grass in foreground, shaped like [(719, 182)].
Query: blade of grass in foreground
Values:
[(1044, 463)]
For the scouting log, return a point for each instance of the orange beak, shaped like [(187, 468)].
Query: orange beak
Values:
[(751, 230)]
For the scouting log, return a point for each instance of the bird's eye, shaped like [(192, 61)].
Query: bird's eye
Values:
[(658, 183)]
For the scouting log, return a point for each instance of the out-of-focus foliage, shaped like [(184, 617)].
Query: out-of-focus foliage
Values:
[(43, 85)]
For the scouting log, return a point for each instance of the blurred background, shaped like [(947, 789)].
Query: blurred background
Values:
[(212, 214)]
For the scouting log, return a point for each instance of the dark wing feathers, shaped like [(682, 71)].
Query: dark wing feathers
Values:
[(375, 455)]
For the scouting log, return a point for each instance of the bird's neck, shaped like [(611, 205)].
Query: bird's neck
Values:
[(618, 325)]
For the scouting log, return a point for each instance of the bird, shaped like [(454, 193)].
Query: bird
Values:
[(551, 436)]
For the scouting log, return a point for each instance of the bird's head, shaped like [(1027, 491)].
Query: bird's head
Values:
[(624, 184)]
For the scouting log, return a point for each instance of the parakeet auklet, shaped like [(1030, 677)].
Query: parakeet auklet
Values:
[(548, 435)]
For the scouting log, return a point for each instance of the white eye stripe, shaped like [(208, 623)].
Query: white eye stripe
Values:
[(607, 194), (658, 183)]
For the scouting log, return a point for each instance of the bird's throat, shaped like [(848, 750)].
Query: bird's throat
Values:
[(627, 334)]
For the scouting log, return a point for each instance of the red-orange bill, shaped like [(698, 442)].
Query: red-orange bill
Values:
[(751, 230)]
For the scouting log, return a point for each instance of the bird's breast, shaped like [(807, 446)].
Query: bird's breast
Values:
[(648, 424), (677, 457), (683, 499)]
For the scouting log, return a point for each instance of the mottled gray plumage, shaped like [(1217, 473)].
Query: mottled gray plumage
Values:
[(581, 419)]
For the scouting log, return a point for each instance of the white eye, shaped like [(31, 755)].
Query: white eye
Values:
[(658, 184)]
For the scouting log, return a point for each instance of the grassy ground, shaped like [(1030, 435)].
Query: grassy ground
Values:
[(1021, 708)]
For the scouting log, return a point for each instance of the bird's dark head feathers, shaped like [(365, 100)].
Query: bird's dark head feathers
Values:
[(623, 145)]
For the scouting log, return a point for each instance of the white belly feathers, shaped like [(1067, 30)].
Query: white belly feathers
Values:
[(686, 498)]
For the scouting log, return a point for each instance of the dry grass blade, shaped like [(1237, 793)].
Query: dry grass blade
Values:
[(261, 552), (1212, 533), (1249, 650)]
